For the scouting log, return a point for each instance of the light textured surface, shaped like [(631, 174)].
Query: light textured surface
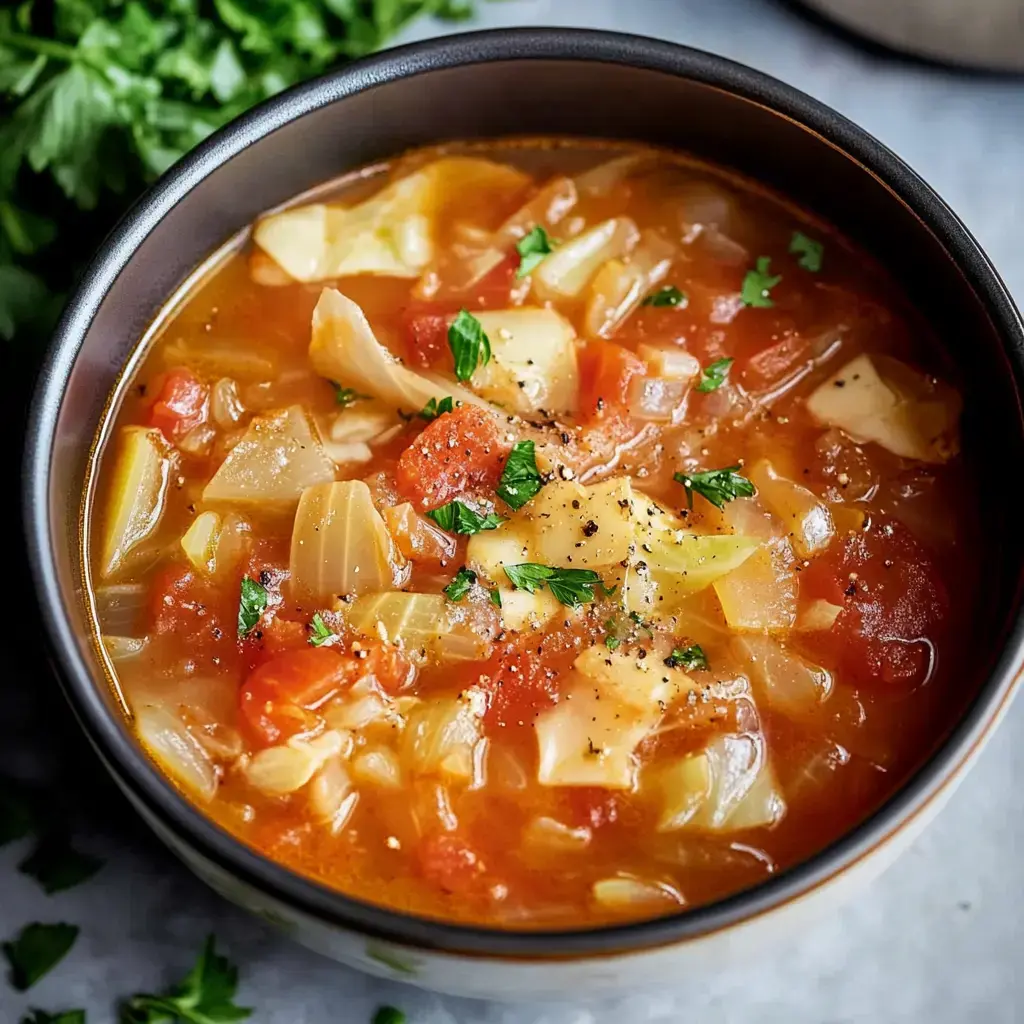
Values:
[(938, 939)]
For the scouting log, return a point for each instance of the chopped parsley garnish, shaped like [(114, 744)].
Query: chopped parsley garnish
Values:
[(532, 249), (56, 865), (42, 1017), (521, 478), (688, 658), (666, 295), (572, 587), (346, 396), (758, 284), (206, 995), (388, 1015), (461, 585), (717, 485), (496, 597), (458, 518), (714, 375), (434, 408), (638, 622), (469, 344), (318, 631), (251, 605), (811, 253), (612, 642), (37, 950)]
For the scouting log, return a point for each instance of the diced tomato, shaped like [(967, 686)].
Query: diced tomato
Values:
[(198, 614), (427, 338), (181, 404), (280, 635), (459, 451), (499, 287), (594, 808), (449, 862), (606, 370), (893, 603), (280, 697)]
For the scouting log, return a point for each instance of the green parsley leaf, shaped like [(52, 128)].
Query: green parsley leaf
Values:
[(346, 396), (434, 408), (469, 344), (388, 1015), (496, 597), (571, 587), (666, 295), (532, 249), (56, 865), (205, 996), (811, 253), (36, 951), (758, 283), (612, 642), (251, 605), (688, 658), (717, 485), (521, 479), (714, 375), (455, 517), (461, 585), (42, 1017), (319, 633), (18, 817)]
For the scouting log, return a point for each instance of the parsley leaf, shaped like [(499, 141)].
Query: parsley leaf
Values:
[(36, 951), (667, 295), (42, 1017), (532, 249), (688, 658), (758, 283), (521, 478), (251, 605), (461, 585), (811, 253), (572, 587), (496, 597), (206, 995), (434, 408), (56, 865), (346, 396), (388, 1015), (717, 485), (714, 375), (469, 344), (319, 633), (612, 642), (455, 517)]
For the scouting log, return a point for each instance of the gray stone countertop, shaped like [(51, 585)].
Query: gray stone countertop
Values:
[(938, 939)]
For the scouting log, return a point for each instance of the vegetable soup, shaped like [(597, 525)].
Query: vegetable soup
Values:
[(537, 534)]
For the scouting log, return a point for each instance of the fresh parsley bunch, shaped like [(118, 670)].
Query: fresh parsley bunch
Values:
[(99, 97)]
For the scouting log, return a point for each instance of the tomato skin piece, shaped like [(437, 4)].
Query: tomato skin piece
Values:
[(181, 404), (449, 862), (461, 450), (606, 370)]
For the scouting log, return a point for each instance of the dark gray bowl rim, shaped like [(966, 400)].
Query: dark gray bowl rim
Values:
[(108, 733)]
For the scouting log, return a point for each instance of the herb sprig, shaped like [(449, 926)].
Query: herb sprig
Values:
[(434, 408), (37, 950), (469, 344), (521, 479), (758, 283), (714, 375), (811, 253), (666, 295), (572, 587), (456, 517), (252, 603), (689, 659), (461, 585), (718, 486), (532, 249)]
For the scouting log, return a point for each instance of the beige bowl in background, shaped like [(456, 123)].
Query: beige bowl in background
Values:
[(976, 33)]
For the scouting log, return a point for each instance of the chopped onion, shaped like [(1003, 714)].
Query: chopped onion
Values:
[(199, 542), (176, 750), (789, 683), (551, 834), (345, 348), (267, 272), (199, 440), (565, 273), (137, 496), (659, 399), (806, 518), (277, 459), (123, 648), (378, 766), (119, 607), (416, 536), (625, 892), (280, 770), (819, 616), (331, 796), (685, 787), (213, 356), (600, 180), (440, 737), (672, 362), (349, 453), (365, 421), (760, 594), (340, 545), (432, 807), (362, 705), (225, 406)]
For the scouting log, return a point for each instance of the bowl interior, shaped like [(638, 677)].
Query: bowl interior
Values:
[(493, 85)]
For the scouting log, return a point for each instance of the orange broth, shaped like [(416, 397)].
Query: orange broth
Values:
[(757, 704)]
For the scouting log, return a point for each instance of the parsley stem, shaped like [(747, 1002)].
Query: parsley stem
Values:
[(45, 47)]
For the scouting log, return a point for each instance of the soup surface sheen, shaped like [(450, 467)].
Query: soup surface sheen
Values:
[(537, 535)]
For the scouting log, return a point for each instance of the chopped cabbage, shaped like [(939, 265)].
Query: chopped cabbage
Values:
[(685, 786), (524, 611), (807, 519), (789, 684), (199, 542), (761, 593), (283, 769), (624, 892), (877, 398), (176, 750), (137, 497), (533, 362), (565, 273), (340, 545), (277, 459), (442, 734)]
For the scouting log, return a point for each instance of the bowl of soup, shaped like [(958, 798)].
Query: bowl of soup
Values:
[(519, 512)]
